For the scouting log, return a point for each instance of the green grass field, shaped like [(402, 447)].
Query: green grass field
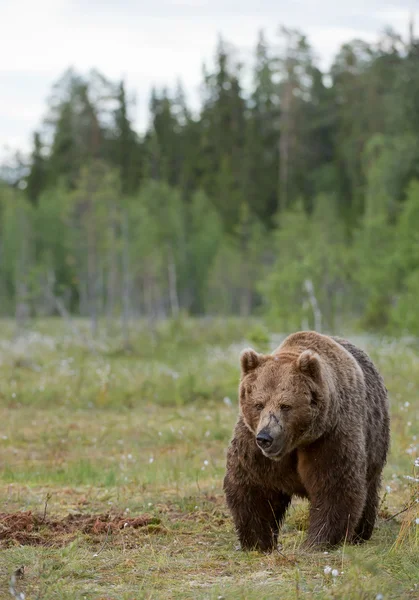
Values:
[(89, 429)]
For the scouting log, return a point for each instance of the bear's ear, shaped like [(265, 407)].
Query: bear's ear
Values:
[(250, 360), (309, 363)]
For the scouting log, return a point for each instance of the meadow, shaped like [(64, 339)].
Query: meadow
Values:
[(112, 460)]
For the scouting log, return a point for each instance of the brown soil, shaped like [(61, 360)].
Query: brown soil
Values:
[(26, 528)]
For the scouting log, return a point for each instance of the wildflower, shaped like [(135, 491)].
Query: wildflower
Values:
[(227, 401), (379, 597), (417, 521), (388, 489), (417, 462), (206, 463), (335, 573), (151, 460), (407, 404), (327, 570)]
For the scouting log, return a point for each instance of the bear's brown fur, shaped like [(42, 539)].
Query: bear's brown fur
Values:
[(319, 409)]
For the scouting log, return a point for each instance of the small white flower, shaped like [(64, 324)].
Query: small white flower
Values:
[(150, 504), (151, 460), (379, 597), (388, 489), (327, 570), (206, 462), (196, 508), (325, 553), (335, 573), (417, 521), (407, 404), (417, 462), (409, 423), (13, 395), (129, 456), (227, 401)]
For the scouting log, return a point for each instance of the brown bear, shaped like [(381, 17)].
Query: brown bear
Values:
[(314, 423)]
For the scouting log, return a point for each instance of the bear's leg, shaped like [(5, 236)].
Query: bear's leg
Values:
[(333, 519), (257, 516), (366, 524), (336, 486)]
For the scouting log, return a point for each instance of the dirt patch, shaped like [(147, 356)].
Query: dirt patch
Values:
[(27, 528)]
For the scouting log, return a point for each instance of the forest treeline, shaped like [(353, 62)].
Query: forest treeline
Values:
[(292, 193)]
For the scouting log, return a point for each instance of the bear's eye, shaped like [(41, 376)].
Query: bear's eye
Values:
[(259, 407), (285, 407)]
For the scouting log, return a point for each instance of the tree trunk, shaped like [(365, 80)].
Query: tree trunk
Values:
[(173, 295), (22, 307), (112, 277), (308, 284), (126, 281)]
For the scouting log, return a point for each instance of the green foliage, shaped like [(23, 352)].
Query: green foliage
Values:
[(288, 193), (306, 287)]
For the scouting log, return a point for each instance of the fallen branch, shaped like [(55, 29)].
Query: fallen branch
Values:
[(47, 499), (104, 543), (400, 512)]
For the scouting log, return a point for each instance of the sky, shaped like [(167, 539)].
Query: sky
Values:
[(156, 42)]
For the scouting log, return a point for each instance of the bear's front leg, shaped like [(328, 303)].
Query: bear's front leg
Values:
[(257, 515), (336, 485)]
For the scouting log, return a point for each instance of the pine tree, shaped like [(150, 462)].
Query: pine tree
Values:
[(37, 178), (126, 150)]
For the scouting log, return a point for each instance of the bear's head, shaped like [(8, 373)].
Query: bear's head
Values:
[(284, 399)]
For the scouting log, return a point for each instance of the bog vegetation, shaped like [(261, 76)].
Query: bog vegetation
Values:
[(119, 457)]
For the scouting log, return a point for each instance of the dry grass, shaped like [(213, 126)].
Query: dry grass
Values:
[(145, 434)]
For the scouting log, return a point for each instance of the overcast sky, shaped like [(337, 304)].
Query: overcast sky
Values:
[(155, 42)]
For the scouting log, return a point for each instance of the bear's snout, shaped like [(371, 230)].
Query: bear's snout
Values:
[(264, 439), (270, 439)]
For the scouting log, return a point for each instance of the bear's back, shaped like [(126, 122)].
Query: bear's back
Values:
[(377, 410)]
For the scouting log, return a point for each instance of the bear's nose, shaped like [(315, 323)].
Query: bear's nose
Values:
[(264, 440)]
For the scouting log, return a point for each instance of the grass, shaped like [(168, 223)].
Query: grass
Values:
[(97, 429)]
